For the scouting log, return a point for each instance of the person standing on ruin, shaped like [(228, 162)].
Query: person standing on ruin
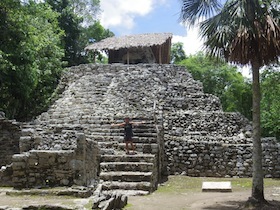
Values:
[(128, 133)]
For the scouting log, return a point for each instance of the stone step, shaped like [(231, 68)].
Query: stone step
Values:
[(126, 166), (108, 151), (126, 192), (149, 158), (115, 185), (136, 130), (152, 135), (113, 119), (92, 125), (126, 176), (143, 148), (121, 147), (120, 139), (111, 144), (56, 110)]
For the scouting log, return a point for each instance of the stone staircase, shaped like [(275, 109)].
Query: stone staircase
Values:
[(129, 174), (134, 174)]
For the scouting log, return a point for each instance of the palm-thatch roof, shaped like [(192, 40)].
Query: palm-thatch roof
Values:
[(130, 41)]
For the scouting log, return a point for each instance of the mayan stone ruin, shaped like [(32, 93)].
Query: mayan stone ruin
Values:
[(73, 143)]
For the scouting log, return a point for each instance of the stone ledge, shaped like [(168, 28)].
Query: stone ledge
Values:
[(216, 187), (79, 192)]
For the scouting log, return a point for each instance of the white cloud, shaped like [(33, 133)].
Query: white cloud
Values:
[(121, 13), (192, 42), (245, 71)]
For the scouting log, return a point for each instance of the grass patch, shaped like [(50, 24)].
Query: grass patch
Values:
[(128, 205), (182, 184), (89, 205)]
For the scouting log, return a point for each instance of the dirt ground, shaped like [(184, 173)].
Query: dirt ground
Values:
[(20, 201), (197, 201), (178, 193), (184, 193)]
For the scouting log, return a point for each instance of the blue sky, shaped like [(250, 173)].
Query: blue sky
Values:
[(125, 17), (163, 18)]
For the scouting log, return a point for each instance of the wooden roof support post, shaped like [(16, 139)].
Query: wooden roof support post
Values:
[(169, 50), (159, 56), (127, 56)]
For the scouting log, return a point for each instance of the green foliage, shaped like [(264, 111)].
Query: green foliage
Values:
[(94, 33), (270, 102), (177, 52), (222, 80), (69, 22), (36, 40), (30, 57), (87, 9), (72, 14)]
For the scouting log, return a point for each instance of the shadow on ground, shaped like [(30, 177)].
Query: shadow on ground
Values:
[(238, 205)]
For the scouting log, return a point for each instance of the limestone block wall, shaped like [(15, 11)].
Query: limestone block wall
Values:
[(6, 173), (58, 137), (193, 102), (205, 123), (10, 132), (216, 159), (48, 168)]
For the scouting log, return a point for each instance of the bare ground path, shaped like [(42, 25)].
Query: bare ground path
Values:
[(184, 193), (194, 201), (178, 193)]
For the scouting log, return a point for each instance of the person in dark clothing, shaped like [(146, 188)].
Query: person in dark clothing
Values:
[(128, 133)]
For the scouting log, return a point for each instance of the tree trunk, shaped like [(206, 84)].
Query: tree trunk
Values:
[(257, 186)]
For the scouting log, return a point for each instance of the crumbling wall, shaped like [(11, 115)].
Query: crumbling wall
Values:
[(48, 168), (9, 140), (216, 159)]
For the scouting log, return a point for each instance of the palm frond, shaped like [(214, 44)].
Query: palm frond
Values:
[(218, 31), (193, 10), (263, 45), (243, 31)]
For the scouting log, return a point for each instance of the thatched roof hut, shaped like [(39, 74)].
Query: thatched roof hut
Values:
[(132, 49)]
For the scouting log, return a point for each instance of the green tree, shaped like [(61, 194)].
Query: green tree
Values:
[(77, 19), (177, 52), (87, 9), (69, 22), (30, 56), (94, 33), (244, 32), (223, 80), (270, 102)]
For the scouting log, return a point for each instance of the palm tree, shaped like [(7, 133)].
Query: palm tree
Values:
[(243, 32)]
